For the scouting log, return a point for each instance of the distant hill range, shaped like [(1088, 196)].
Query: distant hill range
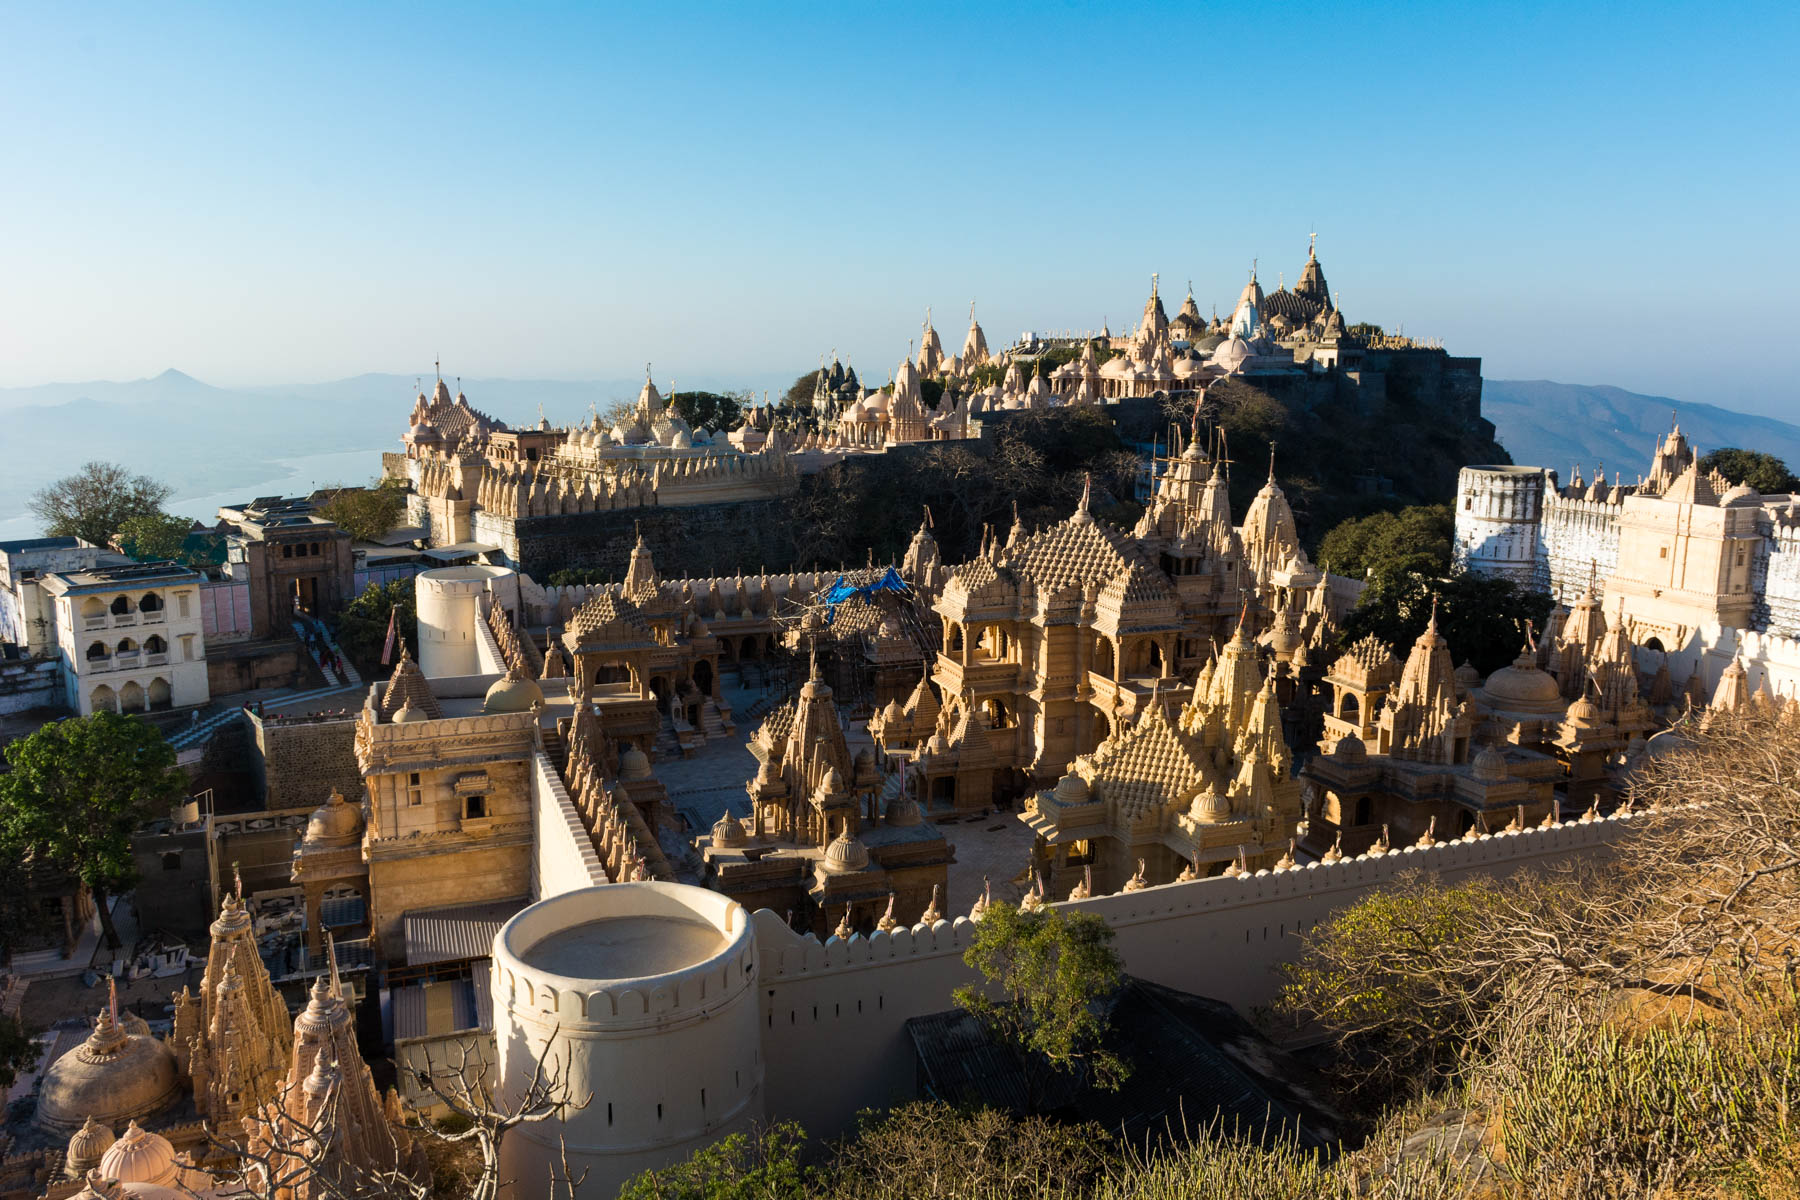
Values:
[(204, 439), (1546, 424)]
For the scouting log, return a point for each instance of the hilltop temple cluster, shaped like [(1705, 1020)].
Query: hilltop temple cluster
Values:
[(1166, 716), (475, 484)]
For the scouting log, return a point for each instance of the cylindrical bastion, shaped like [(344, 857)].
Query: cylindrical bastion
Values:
[(446, 602), (643, 995)]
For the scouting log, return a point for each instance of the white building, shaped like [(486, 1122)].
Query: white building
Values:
[(129, 637)]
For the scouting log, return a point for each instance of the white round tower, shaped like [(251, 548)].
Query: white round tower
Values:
[(1498, 510), (648, 990), (446, 599)]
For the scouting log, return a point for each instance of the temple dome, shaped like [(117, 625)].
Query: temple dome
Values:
[(634, 764), (1489, 766), (1209, 806), (1231, 353), (140, 1157), (90, 1142), (406, 713), (1072, 789), (1741, 496), (335, 821), (727, 831), (845, 854), (112, 1077), (1350, 748), (513, 694), (1522, 688)]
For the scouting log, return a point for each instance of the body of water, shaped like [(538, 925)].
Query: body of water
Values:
[(286, 477)]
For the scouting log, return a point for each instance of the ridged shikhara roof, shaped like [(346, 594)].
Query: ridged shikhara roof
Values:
[(455, 418), (1149, 766), (408, 685), (618, 617), (1138, 583), (1077, 551), (774, 730), (1369, 659), (1292, 305)]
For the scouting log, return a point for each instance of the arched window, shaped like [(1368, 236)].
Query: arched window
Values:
[(131, 698), (1350, 710), (121, 605), (161, 696), (126, 646), (103, 700), (150, 603), (96, 651), (1103, 656), (155, 645)]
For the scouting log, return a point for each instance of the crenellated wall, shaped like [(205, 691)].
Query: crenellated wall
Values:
[(564, 857), (846, 1003), (1579, 541)]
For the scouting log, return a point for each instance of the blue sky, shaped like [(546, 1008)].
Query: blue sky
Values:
[(261, 193)]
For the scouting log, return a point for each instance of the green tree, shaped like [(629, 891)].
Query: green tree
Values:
[(1053, 972), (95, 501), (148, 537), (710, 410), (764, 1165), (367, 513), (362, 626), (76, 792), (1764, 472), (18, 1050), (1482, 618), (800, 393), (1415, 540)]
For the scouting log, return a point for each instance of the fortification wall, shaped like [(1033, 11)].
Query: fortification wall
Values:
[(1498, 512), (298, 760), (1580, 541), (1781, 583), (848, 1002), (743, 536), (564, 857)]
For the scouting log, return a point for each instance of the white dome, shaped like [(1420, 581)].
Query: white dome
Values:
[(140, 1157)]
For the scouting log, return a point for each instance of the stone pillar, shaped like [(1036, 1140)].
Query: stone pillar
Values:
[(315, 933)]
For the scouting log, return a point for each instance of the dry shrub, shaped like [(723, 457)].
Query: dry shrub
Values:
[(930, 1149)]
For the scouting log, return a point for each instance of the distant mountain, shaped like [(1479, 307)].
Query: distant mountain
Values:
[(1547, 424)]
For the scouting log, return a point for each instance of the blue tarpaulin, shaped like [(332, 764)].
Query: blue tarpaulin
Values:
[(842, 591)]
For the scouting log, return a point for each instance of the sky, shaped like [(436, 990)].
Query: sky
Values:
[(259, 194)]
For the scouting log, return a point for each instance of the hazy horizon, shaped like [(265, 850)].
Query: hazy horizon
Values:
[(262, 195)]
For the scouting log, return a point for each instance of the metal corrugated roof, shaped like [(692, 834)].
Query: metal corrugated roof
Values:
[(460, 931)]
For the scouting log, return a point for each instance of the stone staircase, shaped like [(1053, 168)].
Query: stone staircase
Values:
[(345, 673), (557, 751), (715, 720)]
